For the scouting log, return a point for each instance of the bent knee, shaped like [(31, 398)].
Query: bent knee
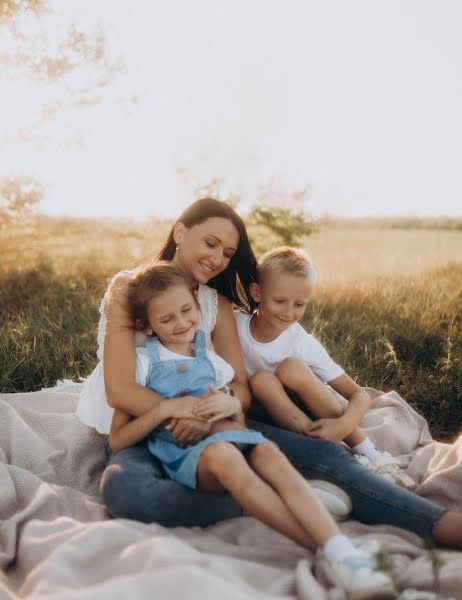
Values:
[(219, 456), (265, 453), (293, 369), (260, 380), (120, 490)]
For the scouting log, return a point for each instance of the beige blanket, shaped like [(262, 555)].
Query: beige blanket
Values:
[(57, 542)]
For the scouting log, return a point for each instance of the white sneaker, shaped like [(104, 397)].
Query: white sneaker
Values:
[(337, 502), (388, 467), (359, 575)]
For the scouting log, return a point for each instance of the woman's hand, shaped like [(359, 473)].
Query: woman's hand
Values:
[(216, 406), (186, 427)]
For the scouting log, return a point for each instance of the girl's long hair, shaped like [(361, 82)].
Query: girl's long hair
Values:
[(235, 280)]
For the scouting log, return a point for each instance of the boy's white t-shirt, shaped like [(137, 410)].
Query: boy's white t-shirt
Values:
[(294, 342)]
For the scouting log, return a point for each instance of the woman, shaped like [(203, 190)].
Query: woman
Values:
[(210, 244)]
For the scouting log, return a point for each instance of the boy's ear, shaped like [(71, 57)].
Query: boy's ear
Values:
[(254, 289)]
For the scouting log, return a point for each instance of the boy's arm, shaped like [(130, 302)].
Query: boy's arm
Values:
[(126, 431), (358, 404), (359, 401)]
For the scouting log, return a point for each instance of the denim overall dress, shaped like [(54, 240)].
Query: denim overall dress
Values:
[(192, 377)]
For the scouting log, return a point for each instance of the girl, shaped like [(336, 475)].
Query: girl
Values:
[(262, 481), (210, 244)]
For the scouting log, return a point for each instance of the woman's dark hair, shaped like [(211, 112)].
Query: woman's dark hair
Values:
[(145, 283), (235, 280)]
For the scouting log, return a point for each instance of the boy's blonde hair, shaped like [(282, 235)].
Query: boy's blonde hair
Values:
[(290, 260)]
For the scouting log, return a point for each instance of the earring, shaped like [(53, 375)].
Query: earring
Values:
[(177, 247)]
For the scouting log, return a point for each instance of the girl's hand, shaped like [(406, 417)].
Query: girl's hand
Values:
[(187, 432), (334, 430), (217, 406)]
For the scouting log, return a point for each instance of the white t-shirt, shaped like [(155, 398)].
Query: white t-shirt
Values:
[(224, 372), (294, 342)]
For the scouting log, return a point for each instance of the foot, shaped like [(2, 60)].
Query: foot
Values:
[(337, 502), (388, 467), (358, 573)]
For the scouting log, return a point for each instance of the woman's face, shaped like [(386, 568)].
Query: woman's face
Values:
[(205, 250)]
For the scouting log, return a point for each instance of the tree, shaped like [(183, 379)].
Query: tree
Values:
[(279, 218), (19, 196), (288, 226), (53, 53)]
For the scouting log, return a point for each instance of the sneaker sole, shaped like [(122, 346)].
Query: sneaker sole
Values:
[(334, 498)]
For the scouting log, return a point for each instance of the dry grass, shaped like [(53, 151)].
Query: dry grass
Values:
[(388, 306)]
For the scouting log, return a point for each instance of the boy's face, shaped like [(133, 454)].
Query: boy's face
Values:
[(282, 298), (173, 316)]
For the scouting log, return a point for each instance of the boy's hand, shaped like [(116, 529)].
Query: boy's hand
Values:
[(216, 406), (334, 430)]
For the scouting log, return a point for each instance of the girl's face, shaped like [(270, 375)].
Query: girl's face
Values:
[(173, 316), (205, 250)]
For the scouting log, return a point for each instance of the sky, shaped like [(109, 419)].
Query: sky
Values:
[(357, 102)]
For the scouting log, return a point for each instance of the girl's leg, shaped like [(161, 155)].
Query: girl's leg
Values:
[(274, 468), (316, 396), (375, 500), (356, 570), (134, 486), (226, 425), (223, 466)]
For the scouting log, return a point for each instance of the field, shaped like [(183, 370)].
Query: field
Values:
[(388, 304)]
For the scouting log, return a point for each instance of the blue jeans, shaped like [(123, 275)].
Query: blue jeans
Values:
[(134, 487)]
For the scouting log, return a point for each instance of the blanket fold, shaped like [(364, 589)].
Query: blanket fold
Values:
[(57, 541)]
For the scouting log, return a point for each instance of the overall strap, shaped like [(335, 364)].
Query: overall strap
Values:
[(152, 346), (201, 348)]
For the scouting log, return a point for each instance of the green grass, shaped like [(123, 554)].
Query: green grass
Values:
[(402, 333), (392, 319)]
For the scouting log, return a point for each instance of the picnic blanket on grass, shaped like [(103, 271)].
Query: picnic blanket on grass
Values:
[(57, 542)]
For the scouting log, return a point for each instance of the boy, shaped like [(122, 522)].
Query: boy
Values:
[(282, 358)]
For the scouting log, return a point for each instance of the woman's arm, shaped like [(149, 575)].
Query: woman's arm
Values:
[(226, 344), (126, 431), (122, 391)]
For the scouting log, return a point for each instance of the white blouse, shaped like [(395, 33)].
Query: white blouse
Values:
[(93, 409)]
